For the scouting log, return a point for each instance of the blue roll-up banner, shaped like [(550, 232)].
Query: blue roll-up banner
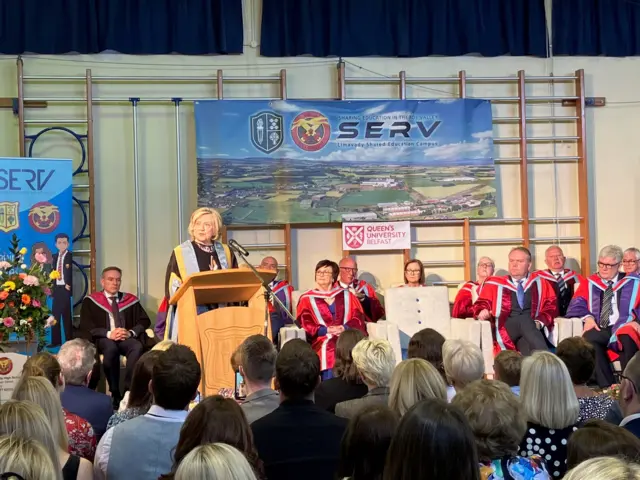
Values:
[(36, 205)]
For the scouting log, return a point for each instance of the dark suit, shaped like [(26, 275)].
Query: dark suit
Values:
[(336, 390), (633, 426), (349, 409), (93, 406), (522, 329), (61, 308), (299, 440)]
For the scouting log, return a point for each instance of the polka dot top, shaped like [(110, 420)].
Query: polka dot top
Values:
[(550, 444), (594, 407)]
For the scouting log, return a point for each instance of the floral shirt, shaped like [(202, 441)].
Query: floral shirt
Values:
[(594, 407), (124, 415), (515, 468), (82, 440)]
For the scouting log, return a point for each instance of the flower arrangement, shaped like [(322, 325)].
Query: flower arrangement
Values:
[(23, 296)]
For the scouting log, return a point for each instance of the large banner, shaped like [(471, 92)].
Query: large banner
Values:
[(36, 205), (287, 161)]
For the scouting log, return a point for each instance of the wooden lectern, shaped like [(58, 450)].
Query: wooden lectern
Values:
[(216, 334)]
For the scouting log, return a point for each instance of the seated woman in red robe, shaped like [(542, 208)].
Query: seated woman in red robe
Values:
[(327, 311), (469, 291), (413, 273)]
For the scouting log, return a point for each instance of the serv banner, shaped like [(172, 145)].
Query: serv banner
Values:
[(263, 161), (376, 236), (36, 205)]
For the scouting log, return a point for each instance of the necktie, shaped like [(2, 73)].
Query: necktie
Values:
[(520, 293), (115, 311), (605, 313), (60, 265), (562, 285)]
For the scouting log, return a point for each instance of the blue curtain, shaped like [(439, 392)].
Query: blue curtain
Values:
[(138, 27), (596, 27), (403, 28)]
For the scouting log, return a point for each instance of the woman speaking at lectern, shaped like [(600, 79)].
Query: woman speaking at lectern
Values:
[(203, 252)]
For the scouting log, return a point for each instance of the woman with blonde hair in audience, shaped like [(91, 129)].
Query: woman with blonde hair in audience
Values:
[(413, 273), (550, 407), (604, 468), (497, 420), (414, 380), (463, 364), (215, 461), (40, 391), (26, 457), (82, 439)]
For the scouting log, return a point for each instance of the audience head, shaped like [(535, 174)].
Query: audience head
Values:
[(344, 367), (43, 364), (111, 280), (631, 260), (485, 268), (26, 420), (365, 443), (269, 263), (554, 258), (433, 440), (580, 358), (547, 393), (205, 225), (519, 262), (326, 273), (412, 381), (175, 378), (40, 391), (297, 370), (139, 394), (427, 344), (348, 270), (496, 418), (26, 457), (597, 438), (375, 360), (414, 272), (609, 259), (257, 361), (217, 461), (628, 398), (604, 468), (463, 362), (163, 346), (507, 366), (77, 358), (215, 420)]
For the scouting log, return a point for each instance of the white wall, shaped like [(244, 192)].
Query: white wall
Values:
[(613, 147)]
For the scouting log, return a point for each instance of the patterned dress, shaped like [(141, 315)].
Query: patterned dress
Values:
[(594, 407), (82, 439), (515, 468), (124, 415), (550, 444)]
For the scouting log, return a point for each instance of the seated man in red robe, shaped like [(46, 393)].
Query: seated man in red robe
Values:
[(284, 292), (348, 278), (521, 306), (563, 280), (609, 304), (469, 291)]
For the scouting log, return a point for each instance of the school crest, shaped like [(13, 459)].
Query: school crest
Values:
[(9, 216), (44, 217), (266, 131), (6, 365)]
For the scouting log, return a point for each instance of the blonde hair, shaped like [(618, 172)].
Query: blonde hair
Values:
[(28, 458), (40, 391), (547, 392), (604, 468), (28, 421), (215, 461), (463, 362), (495, 415), (375, 361), (164, 345), (201, 212), (414, 380)]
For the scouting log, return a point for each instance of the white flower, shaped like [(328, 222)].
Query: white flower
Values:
[(20, 290), (23, 266), (51, 321), (4, 265), (23, 322), (23, 307)]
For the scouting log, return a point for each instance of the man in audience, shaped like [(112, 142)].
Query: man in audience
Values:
[(631, 261), (468, 291), (115, 322), (284, 292), (348, 278), (76, 358), (506, 368), (298, 439), (257, 363), (463, 364), (629, 396), (562, 279), (521, 306), (608, 303), (142, 448), (375, 361)]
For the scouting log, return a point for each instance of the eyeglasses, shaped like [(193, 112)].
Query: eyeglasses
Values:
[(485, 265), (413, 272), (324, 272), (608, 265), (349, 269), (629, 262)]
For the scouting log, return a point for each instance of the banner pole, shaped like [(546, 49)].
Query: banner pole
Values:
[(176, 102), (136, 190)]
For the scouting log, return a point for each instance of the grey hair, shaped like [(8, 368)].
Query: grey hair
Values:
[(633, 250), (76, 358), (611, 251), (493, 264)]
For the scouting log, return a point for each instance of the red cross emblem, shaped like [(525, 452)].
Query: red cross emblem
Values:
[(354, 236)]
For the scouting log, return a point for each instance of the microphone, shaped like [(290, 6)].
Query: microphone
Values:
[(239, 248)]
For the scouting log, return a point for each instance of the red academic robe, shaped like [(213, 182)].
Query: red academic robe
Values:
[(314, 315), (496, 297), (571, 279), (465, 298), (371, 305)]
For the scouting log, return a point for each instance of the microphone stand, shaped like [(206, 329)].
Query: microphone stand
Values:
[(268, 293)]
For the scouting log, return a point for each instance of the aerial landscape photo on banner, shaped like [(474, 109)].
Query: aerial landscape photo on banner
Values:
[(288, 161)]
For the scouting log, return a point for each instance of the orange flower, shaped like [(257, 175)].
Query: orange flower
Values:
[(1, 305), (22, 276), (26, 299), (11, 304), (3, 295)]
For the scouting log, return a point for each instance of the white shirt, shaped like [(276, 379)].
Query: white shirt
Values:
[(628, 419), (112, 321), (60, 267), (104, 447)]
